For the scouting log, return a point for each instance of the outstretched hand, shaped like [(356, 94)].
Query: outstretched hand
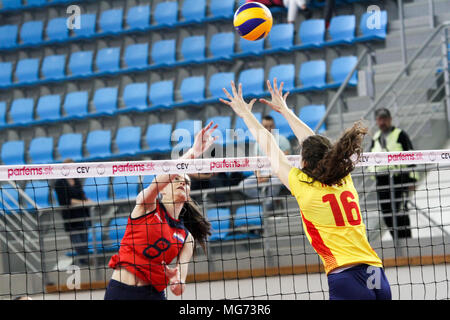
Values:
[(237, 102), (204, 139), (278, 102)]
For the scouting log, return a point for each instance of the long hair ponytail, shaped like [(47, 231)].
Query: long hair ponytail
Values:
[(328, 163), (195, 222)]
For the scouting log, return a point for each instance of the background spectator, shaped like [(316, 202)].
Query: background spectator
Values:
[(389, 138), (70, 193)]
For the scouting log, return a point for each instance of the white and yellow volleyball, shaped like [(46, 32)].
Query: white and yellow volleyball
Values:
[(253, 21)]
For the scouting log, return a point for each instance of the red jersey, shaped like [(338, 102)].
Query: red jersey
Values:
[(149, 240)]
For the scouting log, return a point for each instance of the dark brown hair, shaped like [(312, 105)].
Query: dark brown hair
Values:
[(196, 223), (330, 163)]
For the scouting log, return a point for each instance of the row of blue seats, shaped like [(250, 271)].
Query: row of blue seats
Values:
[(226, 227), (98, 143), (137, 97), (163, 54), (216, 5), (246, 223), (110, 23)]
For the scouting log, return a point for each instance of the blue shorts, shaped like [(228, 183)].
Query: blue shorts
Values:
[(120, 291), (361, 282)]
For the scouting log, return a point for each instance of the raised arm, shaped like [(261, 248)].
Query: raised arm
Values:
[(278, 103), (279, 163), (146, 199)]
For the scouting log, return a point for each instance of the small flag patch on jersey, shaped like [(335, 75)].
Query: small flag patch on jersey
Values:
[(178, 237)]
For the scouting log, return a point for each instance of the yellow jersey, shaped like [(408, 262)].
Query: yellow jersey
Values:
[(332, 221)]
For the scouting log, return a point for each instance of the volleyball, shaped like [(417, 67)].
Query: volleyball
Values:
[(253, 21)]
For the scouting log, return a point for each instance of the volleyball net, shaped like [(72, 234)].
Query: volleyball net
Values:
[(257, 249)]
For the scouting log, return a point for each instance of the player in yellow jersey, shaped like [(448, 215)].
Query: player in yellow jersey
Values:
[(327, 198)]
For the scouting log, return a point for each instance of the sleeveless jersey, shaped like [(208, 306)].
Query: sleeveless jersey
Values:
[(332, 221), (149, 241)]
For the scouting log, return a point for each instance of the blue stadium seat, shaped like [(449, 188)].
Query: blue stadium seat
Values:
[(76, 104), (80, 63), (222, 130), (97, 188), (340, 68), (136, 56), (8, 36), (186, 131), (41, 150), (53, 67), (21, 111), (284, 73), (242, 132), (87, 25), (193, 48), (222, 8), (117, 227), (5, 73), (2, 113), (108, 60), (125, 187), (192, 89), (105, 100), (252, 81), (161, 94), (98, 143), (7, 204), (164, 52), (193, 10), (57, 29), (282, 125), (135, 96), (70, 146), (281, 36), (128, 140), (218, 81), (222, 45), (13, 152), (220, 219), (312, 33), (138, 17), (311, 115), (27, 70), (31, 32), (158, 137), (313, 75), (95, 232), (342, 30), (39, 192), (370, 30), (12, 4), (111, 20), (49, 107), (36, 3), (166, 13), (250, 215), (251, 47)]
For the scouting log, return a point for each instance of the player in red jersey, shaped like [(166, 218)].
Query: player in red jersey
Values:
[(165, 224)]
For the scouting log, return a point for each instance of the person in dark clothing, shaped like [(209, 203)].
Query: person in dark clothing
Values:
[(328, 10), (77, 220), (388, 139)]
